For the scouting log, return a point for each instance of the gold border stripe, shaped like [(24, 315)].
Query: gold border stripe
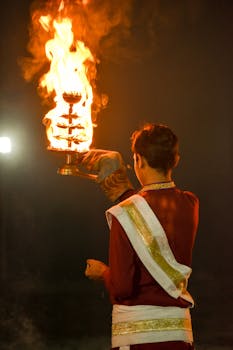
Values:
[(169, 324), (152, 245)]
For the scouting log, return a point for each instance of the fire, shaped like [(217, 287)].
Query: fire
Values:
[(69, 124)]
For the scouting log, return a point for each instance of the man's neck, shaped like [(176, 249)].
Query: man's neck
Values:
[(155, 176)]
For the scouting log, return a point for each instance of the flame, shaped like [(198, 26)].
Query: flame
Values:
[(69, 125)]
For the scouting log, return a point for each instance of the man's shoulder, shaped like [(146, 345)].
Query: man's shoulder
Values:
[(175, 194), (191, 196)]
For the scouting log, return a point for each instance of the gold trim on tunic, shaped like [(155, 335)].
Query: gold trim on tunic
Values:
[(158, 186)]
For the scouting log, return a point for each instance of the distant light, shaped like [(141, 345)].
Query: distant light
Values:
[(5, 145)]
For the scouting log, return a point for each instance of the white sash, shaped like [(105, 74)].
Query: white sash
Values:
[(150, 242)]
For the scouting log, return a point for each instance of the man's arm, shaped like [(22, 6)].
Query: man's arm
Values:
[(111, 172), (119, 278)]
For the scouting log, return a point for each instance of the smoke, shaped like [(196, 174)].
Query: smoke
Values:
[(114, 30), (101, 24), (18, 331)]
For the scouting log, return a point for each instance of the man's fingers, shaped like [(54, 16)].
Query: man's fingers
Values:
[(91, 159)]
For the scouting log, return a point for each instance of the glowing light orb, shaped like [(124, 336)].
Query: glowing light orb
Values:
[(5, 145)]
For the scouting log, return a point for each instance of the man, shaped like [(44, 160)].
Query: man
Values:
[(152, 235)]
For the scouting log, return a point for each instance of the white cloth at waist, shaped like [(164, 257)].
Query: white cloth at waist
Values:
[(142, 324)]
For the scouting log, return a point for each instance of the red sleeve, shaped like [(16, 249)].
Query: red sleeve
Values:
[(119, 278)]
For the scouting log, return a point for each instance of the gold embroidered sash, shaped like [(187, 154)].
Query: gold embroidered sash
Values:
[(150, 242)]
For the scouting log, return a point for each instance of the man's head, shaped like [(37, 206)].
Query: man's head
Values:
[(158, 145)]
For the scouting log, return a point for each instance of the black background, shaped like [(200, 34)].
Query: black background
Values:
[(53, 223)]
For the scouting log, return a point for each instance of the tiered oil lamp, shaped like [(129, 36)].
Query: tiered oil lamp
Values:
[(72, 157), (69, 124)]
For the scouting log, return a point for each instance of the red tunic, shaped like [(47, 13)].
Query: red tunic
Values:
[(127, 280)]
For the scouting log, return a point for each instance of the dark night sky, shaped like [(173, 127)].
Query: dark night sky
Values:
[(56, 222)]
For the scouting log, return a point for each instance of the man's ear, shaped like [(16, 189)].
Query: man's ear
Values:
[(177, 160), (140, 160)]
